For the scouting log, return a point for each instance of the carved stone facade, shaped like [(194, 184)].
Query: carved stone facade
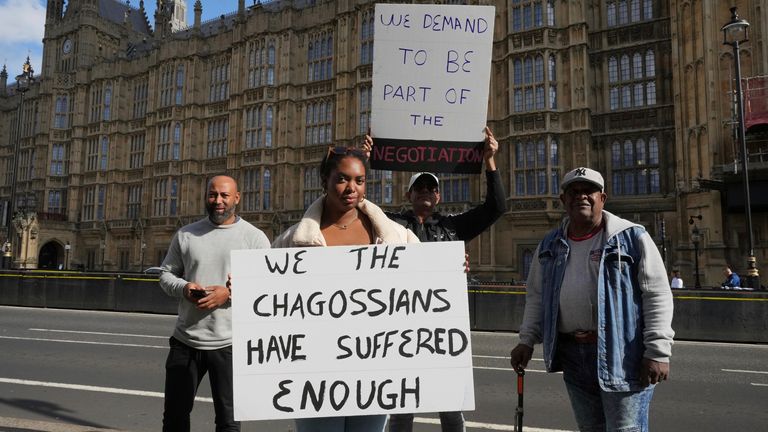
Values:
[(126, 124)]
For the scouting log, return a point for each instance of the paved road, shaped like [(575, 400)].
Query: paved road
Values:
[(103, 370)]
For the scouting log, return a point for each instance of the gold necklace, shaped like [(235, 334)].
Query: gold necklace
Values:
[(345, 226)]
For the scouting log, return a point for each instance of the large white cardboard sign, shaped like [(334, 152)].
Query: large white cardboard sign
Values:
[(431, 71), (350, 330)]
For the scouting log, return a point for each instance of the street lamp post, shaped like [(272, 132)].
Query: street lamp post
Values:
[(696, 238), (67, 248), (23, 83), (143, 249), (735, 33)]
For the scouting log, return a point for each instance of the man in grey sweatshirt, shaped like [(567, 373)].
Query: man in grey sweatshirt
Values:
[(196, 270)]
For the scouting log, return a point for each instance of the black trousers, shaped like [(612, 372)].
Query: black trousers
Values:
[(184, 369)]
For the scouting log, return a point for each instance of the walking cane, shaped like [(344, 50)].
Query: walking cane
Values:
[(519, 409)]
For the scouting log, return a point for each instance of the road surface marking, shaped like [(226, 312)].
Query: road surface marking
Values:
[(759, 384), (92, 388), (469, 424), (486, 426), (508, 369), (502, 357), (97, 333), (744, 371), (83, 342)]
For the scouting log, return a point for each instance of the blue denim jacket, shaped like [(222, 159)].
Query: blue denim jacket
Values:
[(634, 313)]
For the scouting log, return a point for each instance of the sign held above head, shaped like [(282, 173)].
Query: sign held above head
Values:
[(429, 101)]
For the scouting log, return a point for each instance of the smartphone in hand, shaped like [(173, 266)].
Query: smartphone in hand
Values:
[(198, 294)]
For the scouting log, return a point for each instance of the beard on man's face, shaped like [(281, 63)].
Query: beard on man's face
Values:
[(218, 217)]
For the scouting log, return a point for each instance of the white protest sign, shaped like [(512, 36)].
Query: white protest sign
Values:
[(350, 330), (431, 71)]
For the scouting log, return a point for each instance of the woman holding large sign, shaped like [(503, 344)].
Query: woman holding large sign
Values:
[(342, 216)]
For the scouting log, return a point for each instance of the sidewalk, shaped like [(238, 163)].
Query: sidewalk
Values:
[(8, 424)]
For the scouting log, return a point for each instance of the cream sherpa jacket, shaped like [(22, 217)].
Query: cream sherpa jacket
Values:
[(307, 231)]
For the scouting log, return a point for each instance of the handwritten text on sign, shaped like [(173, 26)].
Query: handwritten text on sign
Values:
[(350, 330), (431, 73)]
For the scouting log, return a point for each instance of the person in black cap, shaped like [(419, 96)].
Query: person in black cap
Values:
[(424, 195), (430, 226)]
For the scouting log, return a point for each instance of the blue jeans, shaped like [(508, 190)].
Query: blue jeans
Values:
[(597, 410), (452, 421), (366, 423), (184, 369)]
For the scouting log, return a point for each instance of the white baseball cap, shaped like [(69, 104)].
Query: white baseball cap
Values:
[(583, 174), (419, 175)]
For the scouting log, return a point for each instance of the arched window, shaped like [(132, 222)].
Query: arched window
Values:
[(528, 73), (554, 166), (653, 151), (625, 67), (267, 189), (271, 65), (613, 69), (552, 96), (613, 98), (268, 129), (104, 153), (550, 13), (538, 75), (176, 150), (539, 97), (634, 9), (107, 102), (629, 157), (650, 64), (629, 175), (518, 101), (637, 66), (638, 94), (648, 9), (611, 14), (650, 93), (179, 85), (626, 96), (552, 68), (517, 69), (623, 12)]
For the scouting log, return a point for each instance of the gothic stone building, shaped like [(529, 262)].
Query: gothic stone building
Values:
[(126, 122)]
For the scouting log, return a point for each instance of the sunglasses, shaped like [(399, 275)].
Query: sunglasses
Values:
[(429, 187), (344, 151)]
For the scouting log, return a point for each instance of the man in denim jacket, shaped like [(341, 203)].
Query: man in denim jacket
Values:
[(599, 301)]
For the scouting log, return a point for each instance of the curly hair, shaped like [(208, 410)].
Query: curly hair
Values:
[(334, 157)]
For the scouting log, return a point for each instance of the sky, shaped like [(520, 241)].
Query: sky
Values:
[(22, 23)]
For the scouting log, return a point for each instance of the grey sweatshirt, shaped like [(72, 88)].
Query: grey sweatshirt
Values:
[(199, 252)]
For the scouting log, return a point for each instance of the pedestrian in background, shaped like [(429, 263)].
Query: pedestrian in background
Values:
[(677, 282), (599, 301), (732, 279), (196, 271)]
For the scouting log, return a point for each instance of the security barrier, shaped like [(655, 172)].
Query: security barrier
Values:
[(707, 315)]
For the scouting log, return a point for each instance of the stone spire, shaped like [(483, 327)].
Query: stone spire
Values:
[(198, 13), (3, 81)]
